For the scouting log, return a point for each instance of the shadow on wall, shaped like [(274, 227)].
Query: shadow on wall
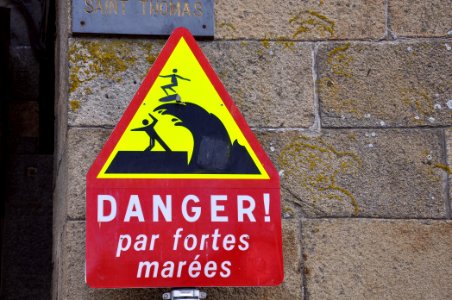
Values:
[(26, 154)]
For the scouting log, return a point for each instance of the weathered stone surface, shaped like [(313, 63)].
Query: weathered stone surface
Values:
[(377, 259), (72, 279), (448, 168), (62, 11), (311, 19), (104, 75), (266, 80), (377, 173), (59, 220), (270, 82), (289, 289), (416, 18), (372, 173), (83, 146), (385, 84), (73, 285)]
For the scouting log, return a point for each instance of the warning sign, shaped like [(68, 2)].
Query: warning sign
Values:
[(182, 194), (182, 129)]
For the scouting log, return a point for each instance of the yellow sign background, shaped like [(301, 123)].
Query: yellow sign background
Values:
[(200, 91)]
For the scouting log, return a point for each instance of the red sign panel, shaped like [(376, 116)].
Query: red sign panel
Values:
[(182, 194)]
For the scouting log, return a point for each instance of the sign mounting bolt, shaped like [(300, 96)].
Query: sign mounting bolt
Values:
[(185, 294)]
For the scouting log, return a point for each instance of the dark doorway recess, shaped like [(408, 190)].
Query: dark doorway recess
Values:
[(27, 33)]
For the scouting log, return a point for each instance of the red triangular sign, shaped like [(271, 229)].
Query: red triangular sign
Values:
[(182, 193)]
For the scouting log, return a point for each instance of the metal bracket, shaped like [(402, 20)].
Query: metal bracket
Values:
[(184, 294)]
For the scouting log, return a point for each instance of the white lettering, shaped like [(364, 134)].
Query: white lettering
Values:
[(159, 208), (176, 237), (215, 208), (148, 265), (140, 242), (101, 216), (242, 211), (134, 209), (121, 246), (164, 209), (195, 211)]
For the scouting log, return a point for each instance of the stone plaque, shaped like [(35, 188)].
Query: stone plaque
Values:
[(143, 17)]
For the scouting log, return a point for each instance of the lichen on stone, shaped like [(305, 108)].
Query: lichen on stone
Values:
[(75, 105), (443, 167), (89, 59), (228, 25), (333, 89), (266, 43), (88, 91), (286, 42), (316, 166), (418, 101), (312, 21), (339, 61), (150, 59)]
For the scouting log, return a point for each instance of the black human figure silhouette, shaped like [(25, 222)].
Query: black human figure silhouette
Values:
[(153, 135), (174, 82)]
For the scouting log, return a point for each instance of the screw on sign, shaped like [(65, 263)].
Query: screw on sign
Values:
[(182, 194)]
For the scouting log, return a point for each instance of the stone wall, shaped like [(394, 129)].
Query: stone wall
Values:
[(352, 100)]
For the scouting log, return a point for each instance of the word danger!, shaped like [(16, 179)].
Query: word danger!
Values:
[(190, 208)]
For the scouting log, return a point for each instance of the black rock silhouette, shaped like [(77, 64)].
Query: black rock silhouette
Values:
[(213, 151)]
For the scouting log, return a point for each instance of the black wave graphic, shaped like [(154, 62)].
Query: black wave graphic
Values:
[(213, 152)]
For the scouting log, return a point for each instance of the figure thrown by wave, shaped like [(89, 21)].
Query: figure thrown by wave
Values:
[(153, 135)]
